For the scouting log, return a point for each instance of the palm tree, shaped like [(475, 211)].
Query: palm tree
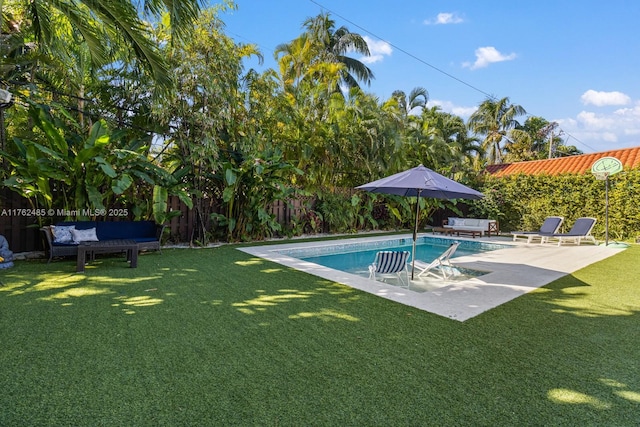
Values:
[(119, 20), (418, 98), (294, 59), (495, 119), (465, 149), (321, 43), (540, 130), (427, 140)]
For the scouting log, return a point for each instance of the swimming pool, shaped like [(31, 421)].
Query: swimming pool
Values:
[(355, 258), (511, 271)]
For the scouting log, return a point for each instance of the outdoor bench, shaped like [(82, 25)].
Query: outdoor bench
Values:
[(472, 225), (63, 238)]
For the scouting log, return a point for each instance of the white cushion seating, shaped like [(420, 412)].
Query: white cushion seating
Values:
[(472, 224)]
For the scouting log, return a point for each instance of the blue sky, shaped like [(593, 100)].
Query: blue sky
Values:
[(576, 63)]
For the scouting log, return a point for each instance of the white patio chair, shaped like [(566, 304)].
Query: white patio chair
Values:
[(440, 264)]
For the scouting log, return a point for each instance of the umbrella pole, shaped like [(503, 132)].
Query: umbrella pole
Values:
[(606, 211), (415, 235)]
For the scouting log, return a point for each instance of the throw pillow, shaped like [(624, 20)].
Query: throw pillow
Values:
[(88, 235), (454, 222), (62, 233)]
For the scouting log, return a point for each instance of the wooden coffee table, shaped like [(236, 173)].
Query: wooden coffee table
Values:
[(473, 233), (107, 247)]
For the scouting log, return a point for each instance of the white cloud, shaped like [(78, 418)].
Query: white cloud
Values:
[(444, 18), (633, 113), (378, 49), (599, 99), (599, 130), (488, 55), (371, 59), (450, 107), (593, 121)]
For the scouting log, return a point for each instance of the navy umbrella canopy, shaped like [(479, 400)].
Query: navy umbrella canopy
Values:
[(421, 182)]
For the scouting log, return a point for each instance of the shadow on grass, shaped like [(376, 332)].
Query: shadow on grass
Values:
[(221, 338), (59, 283), (570, 295), (248, 286), (577, 335)]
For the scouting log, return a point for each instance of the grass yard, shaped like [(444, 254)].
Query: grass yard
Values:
[(208, 337)]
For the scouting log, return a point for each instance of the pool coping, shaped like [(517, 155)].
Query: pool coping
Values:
[(507, 278)]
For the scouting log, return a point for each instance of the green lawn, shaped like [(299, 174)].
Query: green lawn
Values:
[(214, 337)]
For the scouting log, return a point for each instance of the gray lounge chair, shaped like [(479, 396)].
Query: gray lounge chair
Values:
[(580, 231), (550, 226)]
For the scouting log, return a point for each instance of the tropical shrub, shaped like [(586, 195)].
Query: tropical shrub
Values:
[(338, 211), (308, 221), (250, 188), (60, 169), (492, 206), (527, 199)]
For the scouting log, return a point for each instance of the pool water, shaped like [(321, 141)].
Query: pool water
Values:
[(356, 258)]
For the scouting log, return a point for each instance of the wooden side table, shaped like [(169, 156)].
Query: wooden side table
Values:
[(443, 230)]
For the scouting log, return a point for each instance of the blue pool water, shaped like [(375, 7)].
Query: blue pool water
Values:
[(355, 258)]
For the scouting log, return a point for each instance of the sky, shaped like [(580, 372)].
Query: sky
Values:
[(574, 63)]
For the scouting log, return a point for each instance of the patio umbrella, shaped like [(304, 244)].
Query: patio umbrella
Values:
[(421, 182)]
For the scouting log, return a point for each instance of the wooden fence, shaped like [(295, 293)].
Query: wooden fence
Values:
[(20, 224)]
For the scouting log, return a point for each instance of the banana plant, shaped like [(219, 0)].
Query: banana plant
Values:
[(59, 167), (250, 189), (172, 185)]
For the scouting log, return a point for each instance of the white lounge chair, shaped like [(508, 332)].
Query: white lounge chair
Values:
[(391, 263), (551, 225), (580, 231), (440, 264)]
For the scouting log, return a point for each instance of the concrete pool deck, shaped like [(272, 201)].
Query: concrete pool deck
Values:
[(511, 273)]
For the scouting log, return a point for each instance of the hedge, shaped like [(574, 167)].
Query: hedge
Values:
[(521, 202)]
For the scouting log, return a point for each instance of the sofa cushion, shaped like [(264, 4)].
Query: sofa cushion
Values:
[(62, 234), (110, 230), (79, 225), (143, 231), (88, 235)]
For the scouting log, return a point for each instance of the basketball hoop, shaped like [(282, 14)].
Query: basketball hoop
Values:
[(601, 176), (607, 166), (602, 169)]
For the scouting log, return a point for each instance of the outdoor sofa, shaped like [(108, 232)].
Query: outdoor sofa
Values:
[(481, 226), (63, 238)]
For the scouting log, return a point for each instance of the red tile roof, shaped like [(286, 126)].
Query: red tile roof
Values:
[(580, 164)]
